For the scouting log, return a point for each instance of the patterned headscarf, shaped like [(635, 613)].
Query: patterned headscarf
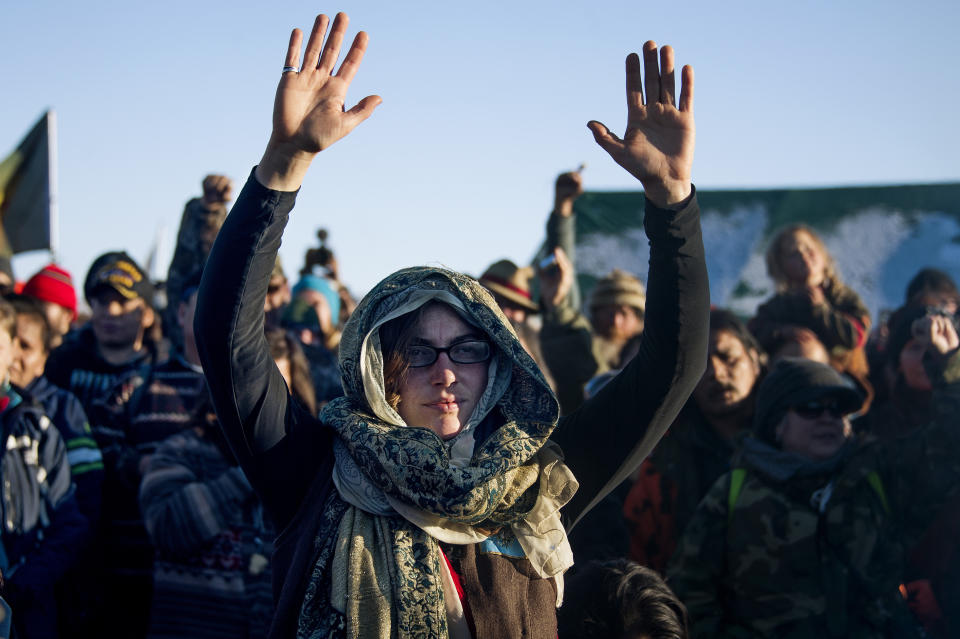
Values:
[(405, 488)]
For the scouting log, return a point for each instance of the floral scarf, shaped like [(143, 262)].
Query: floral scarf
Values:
[(401, 489)]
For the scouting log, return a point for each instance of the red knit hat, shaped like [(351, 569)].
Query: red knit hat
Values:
[(53, 284)]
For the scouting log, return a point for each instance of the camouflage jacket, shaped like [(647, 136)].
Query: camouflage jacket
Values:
[(819, 554)]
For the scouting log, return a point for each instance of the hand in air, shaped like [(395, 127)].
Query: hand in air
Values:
[(657, 147), (568, 187), (309, 112), (557, 280), (217, 191)]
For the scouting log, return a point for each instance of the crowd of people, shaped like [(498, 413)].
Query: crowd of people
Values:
[(450, 456)]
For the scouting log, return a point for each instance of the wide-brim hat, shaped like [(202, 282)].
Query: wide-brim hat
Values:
[(511, 282)]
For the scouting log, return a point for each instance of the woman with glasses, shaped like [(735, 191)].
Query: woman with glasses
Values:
[(433, 499), (807, 536)]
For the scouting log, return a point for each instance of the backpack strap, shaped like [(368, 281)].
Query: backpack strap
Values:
[(873, 478), (737, 476)]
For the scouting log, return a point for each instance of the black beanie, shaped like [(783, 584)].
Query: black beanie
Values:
[(793, 381)]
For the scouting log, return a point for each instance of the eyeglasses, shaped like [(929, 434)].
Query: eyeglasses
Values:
[(815, 408), (468, 352)]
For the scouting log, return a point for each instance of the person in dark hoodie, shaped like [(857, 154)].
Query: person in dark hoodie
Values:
[(42, 527)]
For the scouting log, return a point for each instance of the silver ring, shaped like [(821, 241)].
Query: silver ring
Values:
[(290, 70)]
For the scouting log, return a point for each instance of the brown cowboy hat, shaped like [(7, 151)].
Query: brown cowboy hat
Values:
[(507, 280)]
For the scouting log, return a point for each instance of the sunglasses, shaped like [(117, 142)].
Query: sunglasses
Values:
[(816, 407)]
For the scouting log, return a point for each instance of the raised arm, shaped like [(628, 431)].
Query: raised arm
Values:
[(610, 434), (566, 338), (265, 428), (201, 220), (561, 224)]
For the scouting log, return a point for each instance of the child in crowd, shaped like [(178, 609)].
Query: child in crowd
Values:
[(61, 406), (74, 594), (42, 525)]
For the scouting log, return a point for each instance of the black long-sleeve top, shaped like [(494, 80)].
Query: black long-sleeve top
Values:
[(287, 453)]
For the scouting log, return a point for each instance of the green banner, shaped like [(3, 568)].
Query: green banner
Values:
[(879, 236)]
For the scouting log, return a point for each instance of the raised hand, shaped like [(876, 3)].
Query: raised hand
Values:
[(556, 281), (657, 147), (569, 187), (309, 112), (217, 191)]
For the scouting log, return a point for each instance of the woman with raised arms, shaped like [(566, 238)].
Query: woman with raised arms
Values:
[(434, 499)]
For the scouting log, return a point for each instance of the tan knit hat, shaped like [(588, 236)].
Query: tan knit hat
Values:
[(509, 281), (278, 269), (619, 287)]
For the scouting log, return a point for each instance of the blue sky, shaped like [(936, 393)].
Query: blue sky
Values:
[(483, 105)]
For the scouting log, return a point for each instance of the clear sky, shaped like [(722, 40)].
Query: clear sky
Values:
[(483, 103)]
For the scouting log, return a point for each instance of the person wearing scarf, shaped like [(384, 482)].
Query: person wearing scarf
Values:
[(434, 500)]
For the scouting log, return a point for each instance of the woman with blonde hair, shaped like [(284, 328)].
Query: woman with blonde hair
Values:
[(811, 295)]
